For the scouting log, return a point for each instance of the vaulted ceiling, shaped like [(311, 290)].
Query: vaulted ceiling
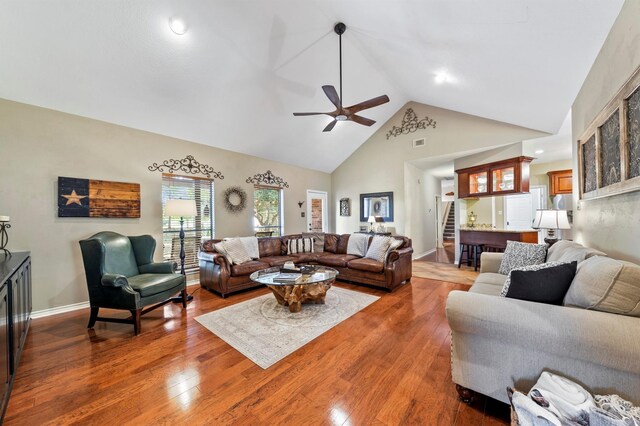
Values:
[(243, 66)]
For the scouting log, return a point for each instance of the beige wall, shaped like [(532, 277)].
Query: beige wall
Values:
[(38, 145), (611, 224), (379, 163)]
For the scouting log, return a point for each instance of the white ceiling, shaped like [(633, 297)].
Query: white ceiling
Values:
[(243, 67), (555, 147)]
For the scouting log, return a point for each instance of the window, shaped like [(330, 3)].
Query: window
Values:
[(267, 211), (195, 228)]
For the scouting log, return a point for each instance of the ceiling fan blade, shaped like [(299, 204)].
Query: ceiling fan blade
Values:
[(361, 120), (369, 104), (331, 93), (300, 114), (330, 126)]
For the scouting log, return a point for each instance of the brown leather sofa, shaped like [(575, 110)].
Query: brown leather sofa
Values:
[(217, 275)]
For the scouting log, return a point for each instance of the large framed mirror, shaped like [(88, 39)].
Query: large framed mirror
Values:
[(376, 204)]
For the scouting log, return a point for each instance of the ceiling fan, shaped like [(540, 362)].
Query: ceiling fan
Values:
[(341, 113)]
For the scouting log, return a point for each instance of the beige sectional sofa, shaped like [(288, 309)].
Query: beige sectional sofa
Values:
[(499, 342)]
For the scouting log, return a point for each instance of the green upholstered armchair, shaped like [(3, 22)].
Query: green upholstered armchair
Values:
[(121, 274)]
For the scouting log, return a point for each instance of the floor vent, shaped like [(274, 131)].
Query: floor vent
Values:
[(417, 143)]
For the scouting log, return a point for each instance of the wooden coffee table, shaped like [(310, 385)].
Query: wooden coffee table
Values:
[(309, 288)]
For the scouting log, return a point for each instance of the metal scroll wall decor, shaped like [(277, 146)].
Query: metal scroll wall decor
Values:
[(235, 199), (267, 178), (188, 165), (410, 124)]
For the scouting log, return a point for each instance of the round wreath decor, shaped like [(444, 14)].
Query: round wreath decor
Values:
[(232, 192)]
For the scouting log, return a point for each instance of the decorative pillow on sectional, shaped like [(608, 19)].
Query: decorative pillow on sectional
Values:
[(568, 251), (223, 251), (378, 248), (395, 243), (542, 283), (518, 254), (300, 245), (318, 240), (607, 285), (250, 245), (236, 251)]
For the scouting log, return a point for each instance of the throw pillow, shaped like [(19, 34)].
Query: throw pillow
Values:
[(378, 248), (300, 245), (223, 251), (568, 251), (318, 240), (236, 251), (607, 285), (357, 244), (518, 254), (395, 243), (250, 245), (543, 283)]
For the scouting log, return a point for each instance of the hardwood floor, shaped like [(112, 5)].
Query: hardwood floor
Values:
[(387, 365), (444, 254)]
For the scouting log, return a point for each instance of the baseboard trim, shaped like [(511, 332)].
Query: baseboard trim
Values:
[(75, 306), (59, 310), (418, 256)]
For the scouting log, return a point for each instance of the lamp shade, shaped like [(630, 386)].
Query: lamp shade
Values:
[(372, 219), (551, 219), (182, 208)]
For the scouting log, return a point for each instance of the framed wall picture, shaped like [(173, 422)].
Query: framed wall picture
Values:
[(79, 197), (376, 204), (345, 207), (609, 149)]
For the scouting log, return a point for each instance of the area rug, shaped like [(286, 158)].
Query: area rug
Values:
[(265, 332)]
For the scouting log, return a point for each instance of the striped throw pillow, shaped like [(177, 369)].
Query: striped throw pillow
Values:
[(378, 248), (300, 245)]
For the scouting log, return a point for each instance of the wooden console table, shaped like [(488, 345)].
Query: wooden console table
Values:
[(15, 316)]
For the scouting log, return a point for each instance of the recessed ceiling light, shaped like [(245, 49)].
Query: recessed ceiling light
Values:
[(540, 151), (177, 25), (441, 77)]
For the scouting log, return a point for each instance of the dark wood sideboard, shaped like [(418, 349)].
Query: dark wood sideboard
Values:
[(15, 316)]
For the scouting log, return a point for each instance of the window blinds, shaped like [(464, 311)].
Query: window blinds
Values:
[(196, 228)]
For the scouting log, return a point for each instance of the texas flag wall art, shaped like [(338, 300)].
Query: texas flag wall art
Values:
[(97, 198)]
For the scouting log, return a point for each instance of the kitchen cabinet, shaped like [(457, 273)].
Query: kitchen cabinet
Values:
[(498, 178), (560, 182)]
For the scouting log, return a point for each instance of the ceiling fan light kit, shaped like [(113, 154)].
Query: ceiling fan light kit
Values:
[(341, 113)]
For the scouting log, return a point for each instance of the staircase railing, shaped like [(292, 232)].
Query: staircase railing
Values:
[(443, 222)]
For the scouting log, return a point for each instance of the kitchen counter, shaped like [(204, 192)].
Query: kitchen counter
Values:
[(508, 231), (496, 238)]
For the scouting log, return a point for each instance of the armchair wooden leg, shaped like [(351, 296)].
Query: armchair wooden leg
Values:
[(466, 395), (184, 298), (135, 314), (93, 316)]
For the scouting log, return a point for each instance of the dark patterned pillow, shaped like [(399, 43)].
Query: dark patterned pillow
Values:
[(543, 283), (518, 254)]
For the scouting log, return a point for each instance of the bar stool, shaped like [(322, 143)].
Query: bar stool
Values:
[(473, 252)]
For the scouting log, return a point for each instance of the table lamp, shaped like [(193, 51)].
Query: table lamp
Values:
[(551, 220), (371, 220), (380, 221)]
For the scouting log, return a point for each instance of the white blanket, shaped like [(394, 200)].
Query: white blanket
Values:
[(566, 399), (357, 244), (250, 244)]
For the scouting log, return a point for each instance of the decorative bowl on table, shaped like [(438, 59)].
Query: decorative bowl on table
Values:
[(307, 269)]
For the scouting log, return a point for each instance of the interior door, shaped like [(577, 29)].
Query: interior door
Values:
[(317, 211), (518, 212)]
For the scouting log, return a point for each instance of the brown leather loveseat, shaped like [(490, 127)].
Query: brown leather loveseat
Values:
[(216, 274)]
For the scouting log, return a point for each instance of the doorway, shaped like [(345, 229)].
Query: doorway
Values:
[(317, 211)]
